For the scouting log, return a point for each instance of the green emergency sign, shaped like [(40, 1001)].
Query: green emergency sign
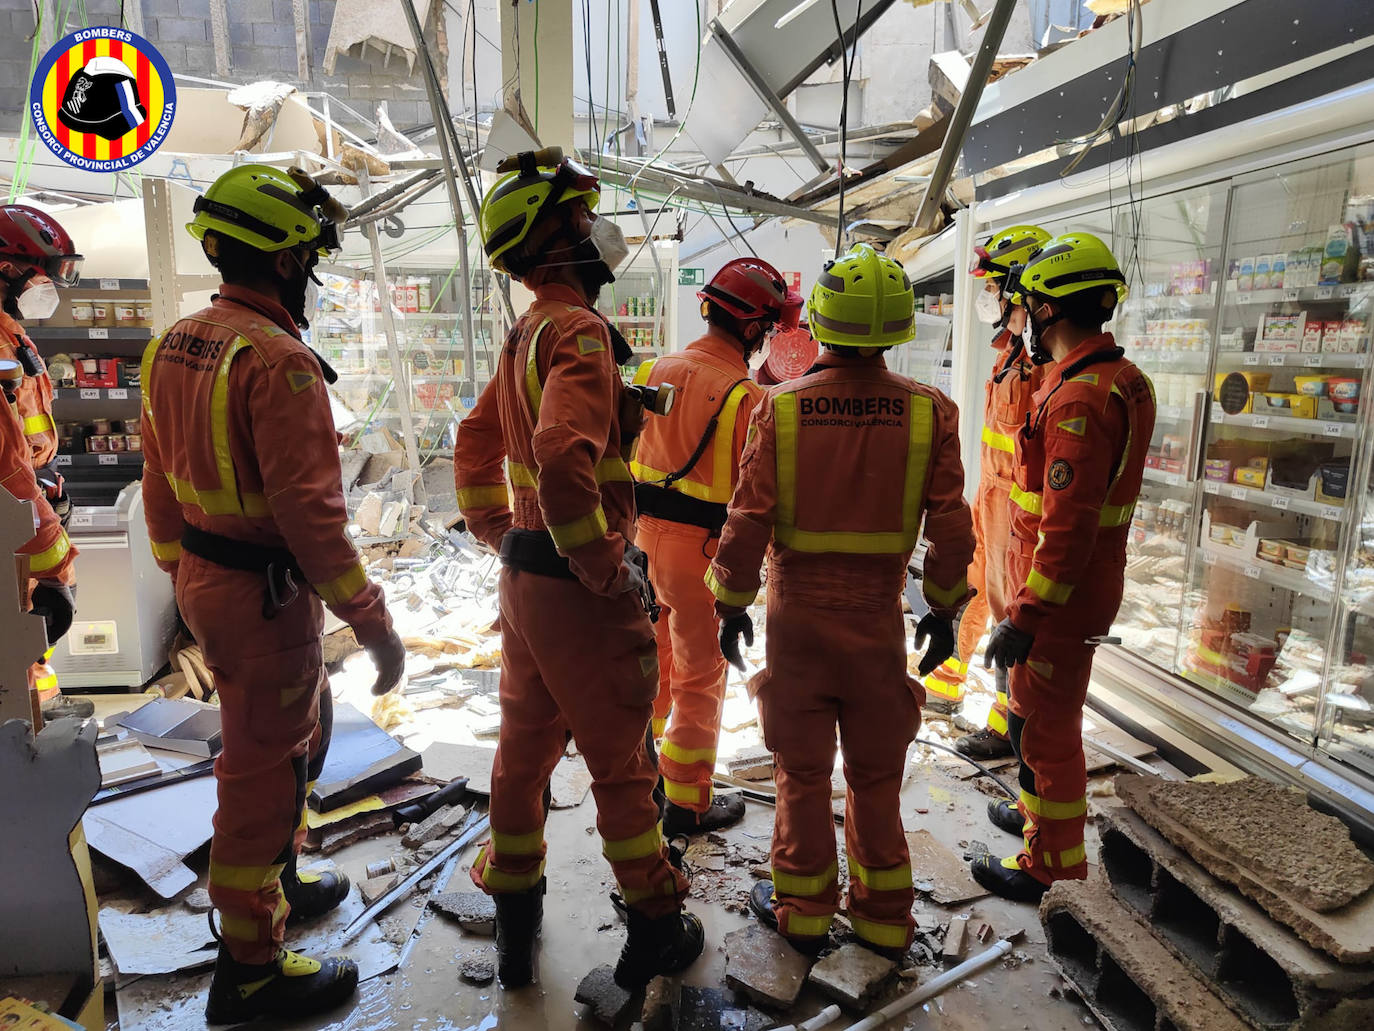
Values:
[(691, 277)]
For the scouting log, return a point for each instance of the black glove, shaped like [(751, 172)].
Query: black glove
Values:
[(1008, 646), (730, 631), (55, 603), (941, 634), (62, 508)]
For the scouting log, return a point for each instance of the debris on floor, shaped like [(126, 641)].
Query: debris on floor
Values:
[(852, 975), (938, 872), (473, 911), (605, 1000), (761, 964)]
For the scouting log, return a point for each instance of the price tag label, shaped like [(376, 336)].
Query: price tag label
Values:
[(109, 284), (1291, 295), (1260, 422), (1279, 501), (1346, 291), (119, 393), (1250, 359), (1208, 559), (108, 459), (1253, 572), (98, 333), (1243, 297), (1172, 479), (1324, 293), (1312, 361), (83, 519), (1216, 413), (1331, 512), (1276, 359), (1239, 493), (90, 393), (62, 460), (1332, 429)]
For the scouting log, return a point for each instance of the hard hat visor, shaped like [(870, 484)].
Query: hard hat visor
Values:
[(982, 264), (64, 269)]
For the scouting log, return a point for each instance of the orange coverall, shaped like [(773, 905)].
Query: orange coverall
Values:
[(33, 403), (1079, 469), (578, 652), (1005, 406), (238, 440), (712, 379), (840, 468)]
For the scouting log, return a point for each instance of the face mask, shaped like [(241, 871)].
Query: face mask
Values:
[(293, 292), (39, 299), (609, 242), (1034, 335), (988, 306)]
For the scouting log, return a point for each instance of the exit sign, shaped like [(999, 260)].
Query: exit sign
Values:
[(691, 277)]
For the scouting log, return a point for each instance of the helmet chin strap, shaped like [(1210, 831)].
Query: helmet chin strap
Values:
[(1040, 355)]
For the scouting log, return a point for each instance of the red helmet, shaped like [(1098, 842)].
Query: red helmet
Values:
[(750, 288), (36, 238)]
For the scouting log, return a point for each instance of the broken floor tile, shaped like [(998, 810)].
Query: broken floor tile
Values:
[(662, 1004), (375, 887), (477, 970), (198, 901), (473, 911), (852, 975), (760, 963), (435, 825), (710, 1009), (607, 1001)]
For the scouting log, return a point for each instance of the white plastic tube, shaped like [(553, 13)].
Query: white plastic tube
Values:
[(933, 988)]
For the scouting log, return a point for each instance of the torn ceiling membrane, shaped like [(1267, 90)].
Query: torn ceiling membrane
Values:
[(380, 24)]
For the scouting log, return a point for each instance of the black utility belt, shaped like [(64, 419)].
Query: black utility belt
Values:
[(676, 507), (533, 551), (278, 565)]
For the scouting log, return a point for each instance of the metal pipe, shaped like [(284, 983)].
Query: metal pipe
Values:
[(933, 988), (963, 115)]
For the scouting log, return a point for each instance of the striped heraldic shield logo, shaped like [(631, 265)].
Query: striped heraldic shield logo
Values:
[(103, 99)]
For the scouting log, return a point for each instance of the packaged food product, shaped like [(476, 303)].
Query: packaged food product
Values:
[(1272, 550), (1278, 264), (1296, 552), (1343, 388), (1337, 255), (97, 443), (1249, 476), (1261, 280), (125, 313), (1218, 470), (1245, 280), (135, 441), (100, 311), (118, 442), (1332, 479), (1281, 332), (1312, 337), (82, 311), (1312, 386), (1224, 534), (1346, 407), (1354, 337), (145, 313)]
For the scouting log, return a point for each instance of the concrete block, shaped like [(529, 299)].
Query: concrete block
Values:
[(1129, 980), (1260, 968), (199, 57), (432, 827), (175, 54), (284, 13), (274, 34), (251, 11), (375, 887), (194, 8), (240, 32), (13, 100), (852, 975), (607, 1001), (955, 934), (662, 1004), (198, 901), (183, 30), (473, 911), (1346, 933), (477, 970), (752, 764), (760, 963)]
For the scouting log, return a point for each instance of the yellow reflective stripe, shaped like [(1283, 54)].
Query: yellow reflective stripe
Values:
[(49, 558), (166, 551), (853, 543), (1045, 669), (998, 441), (1085, 377), (692, 488), (642, 373), (48, 654), (591, 527), (953, 665), (1046, 589), (943, 688), (723, 465), (641, 846), (146, 378), (634, 896), (220, 502), (807, 926), (493, 496), (248, 928), (942, 597), (613, 470), (534, 390), (997, 722), (1078, 427), (244, 878), (1070, 857), (740, 599), (659, 726), (785, 428), (522, 475), (1053, 810), (1027, 500), (917, 459), (500, 881), (36, 424), (687, 756), (804, 886), (219, 420), (1116, 515), (529, 844), (893, 878), (888, 936), (343, 588), (43, 683), (685, 793)]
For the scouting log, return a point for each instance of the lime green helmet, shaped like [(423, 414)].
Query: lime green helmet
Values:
[(1009, 247), (268, 209), (1069, 264), (536, 182), (862, 299)]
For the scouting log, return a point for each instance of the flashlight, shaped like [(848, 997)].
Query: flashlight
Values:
[(11, 376), (658, 400)]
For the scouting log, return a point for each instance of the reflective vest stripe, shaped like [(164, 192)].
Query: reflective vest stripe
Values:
[(1046, 589), (534, 390), (50, 557), (577, 532), (608, 470), (146, 378), (641, 846), (166, 551), (344, 588), (492, 496), (998, 441), (883, 542), (805, 886), (722, 483), (36, 424), (1027, 500)]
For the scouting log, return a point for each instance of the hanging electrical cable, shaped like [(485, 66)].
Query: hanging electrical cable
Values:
[(691, 103)]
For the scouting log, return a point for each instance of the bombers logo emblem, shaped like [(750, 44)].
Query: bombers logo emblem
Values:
[(103, 99), (1061, 474)]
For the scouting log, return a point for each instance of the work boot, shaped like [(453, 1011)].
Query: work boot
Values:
[(658, 945), (677, 858), (312, 893), (518, 918), (1006, 815), (293, 986), (941, 707), (761, 901), (984, 744), (724, 811), (67, 705), (1009, 881)]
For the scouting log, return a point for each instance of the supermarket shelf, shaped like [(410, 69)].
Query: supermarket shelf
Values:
[(1311, 427), (86, 333), (96, 394), (1337, 292), (126, 459), (1172, 302), (1168, 479), (1265, 572), (1169, 361), (1172, 413), (1268, 499), (1323, 360)]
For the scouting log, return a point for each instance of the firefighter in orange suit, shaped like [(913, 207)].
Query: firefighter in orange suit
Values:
[(686, 466), (841, 467), (244, 502), (1080, 458), (578, 652), (50, 554), (37, 256), (1006, 400)]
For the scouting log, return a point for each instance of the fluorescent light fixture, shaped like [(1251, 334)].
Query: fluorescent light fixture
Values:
[(795, 13)]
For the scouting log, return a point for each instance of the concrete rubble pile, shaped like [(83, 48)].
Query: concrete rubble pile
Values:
[(1259, 912)]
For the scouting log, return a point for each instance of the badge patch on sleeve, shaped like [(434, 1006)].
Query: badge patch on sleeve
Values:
[(1060, 474), (299, 381)]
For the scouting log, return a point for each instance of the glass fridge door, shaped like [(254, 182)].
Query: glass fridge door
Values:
[(1291, 360)]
